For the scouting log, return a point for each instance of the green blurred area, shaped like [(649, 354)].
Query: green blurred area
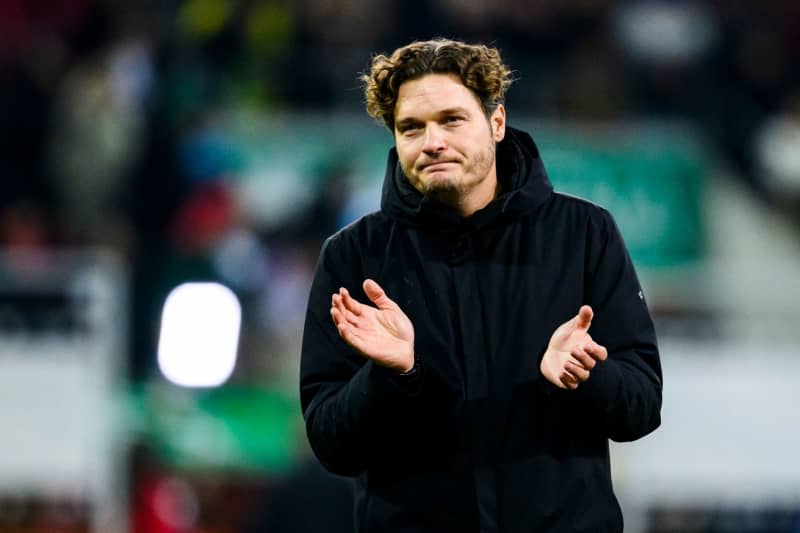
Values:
[(651, 180), (650, 177), (229, 428)]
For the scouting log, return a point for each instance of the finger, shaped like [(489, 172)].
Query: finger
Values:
[(597, 351), (336, 301), (348, 317), (569, 381), (351, 337), (584, 318), (580, 373), (346, 330), (352, 319), (376, 294), (338, 319), (583, 358), (349, 302)]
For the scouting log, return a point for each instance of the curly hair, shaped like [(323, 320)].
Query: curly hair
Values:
[(480, 68)]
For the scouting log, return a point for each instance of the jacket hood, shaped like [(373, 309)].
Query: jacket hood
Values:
[(523, 180)]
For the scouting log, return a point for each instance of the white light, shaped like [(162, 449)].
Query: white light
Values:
[(199, 334)]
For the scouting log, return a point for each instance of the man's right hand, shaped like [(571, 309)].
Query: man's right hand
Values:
[(382, 333)]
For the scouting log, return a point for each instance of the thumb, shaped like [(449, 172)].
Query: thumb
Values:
[(584, 318), (375, 293)]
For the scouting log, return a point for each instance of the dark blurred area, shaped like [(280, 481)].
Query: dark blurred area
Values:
[(134, 127), (138, 87)]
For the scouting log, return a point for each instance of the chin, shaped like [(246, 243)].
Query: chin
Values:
[(443, 183), (441, 187)]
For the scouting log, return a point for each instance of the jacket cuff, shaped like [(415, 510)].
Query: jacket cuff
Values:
[(409, 382), (376, 384)]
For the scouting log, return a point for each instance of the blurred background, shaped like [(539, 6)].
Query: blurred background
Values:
[(169, 170)]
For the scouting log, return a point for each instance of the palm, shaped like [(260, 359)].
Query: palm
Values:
[(383, 333)]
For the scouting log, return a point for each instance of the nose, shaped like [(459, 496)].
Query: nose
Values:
[(434, 140)]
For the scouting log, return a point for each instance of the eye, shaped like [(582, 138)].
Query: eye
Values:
[(409, 129), (453, 119)]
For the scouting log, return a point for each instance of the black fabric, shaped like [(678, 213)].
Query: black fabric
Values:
[(479, 440)]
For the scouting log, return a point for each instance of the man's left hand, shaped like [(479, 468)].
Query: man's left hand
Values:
[(572, 354)]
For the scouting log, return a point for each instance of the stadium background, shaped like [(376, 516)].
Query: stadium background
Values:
[(148, 144)]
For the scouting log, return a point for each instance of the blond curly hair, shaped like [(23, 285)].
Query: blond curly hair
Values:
[(479, 66)]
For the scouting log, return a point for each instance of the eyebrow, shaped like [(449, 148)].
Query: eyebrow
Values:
[(443, 113)]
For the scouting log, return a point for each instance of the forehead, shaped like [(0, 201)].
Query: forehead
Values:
[(432, 93)]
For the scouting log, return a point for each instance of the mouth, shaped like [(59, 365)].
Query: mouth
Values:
[(439, 165)]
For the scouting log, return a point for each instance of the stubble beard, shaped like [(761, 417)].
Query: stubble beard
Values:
[(451, 191)]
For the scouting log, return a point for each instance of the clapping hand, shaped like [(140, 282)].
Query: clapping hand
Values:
[(382, 333), (572, 354)]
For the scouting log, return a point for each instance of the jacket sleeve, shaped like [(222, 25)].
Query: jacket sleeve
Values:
[(624, 391), (346, 399)]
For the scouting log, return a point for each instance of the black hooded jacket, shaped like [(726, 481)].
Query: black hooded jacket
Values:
[(477, 439)]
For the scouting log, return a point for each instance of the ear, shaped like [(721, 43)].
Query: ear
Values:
[(498, 123)]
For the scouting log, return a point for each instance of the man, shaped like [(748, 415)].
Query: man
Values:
[(447, 361)]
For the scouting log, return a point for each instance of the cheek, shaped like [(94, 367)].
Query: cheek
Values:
[(407, 153)]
